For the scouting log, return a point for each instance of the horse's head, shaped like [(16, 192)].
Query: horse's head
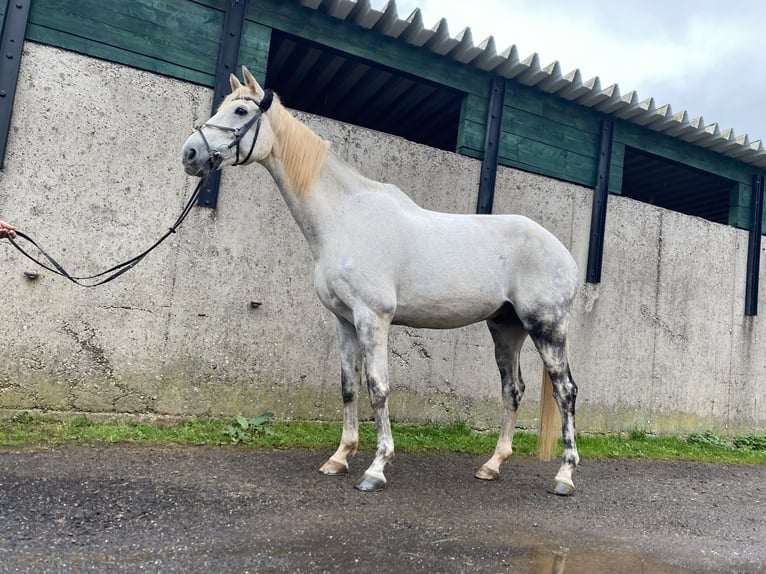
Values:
[(239, 133)]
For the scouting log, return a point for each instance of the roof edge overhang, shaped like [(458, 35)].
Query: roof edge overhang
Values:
[(549, 78)]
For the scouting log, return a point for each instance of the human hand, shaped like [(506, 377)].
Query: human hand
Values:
[(6, 229)]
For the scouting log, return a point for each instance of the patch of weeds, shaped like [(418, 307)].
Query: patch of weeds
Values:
[(81, 422), (23, 418), (245, 430), (751, 442), (709, 438), (638, 435), (746, 443)]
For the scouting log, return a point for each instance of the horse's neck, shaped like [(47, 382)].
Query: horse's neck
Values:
[(315, 209)]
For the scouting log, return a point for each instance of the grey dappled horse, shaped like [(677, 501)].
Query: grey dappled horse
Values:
[(379, 259)]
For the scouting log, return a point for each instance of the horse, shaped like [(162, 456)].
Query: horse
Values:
[(382, 260)]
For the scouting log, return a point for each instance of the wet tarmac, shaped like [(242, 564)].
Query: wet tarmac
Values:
[(124, 508)]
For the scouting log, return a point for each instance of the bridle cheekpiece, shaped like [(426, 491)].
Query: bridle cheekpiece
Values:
[(216, 157)]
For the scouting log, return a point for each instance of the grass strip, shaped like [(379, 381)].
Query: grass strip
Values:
[(26, 430)]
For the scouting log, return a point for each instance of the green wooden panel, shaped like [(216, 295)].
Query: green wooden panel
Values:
[(473, 135), (98, 50), (475, 109), (741, 194), (472, 127), (524, 153), (173, 37), (556, 161), (540, 133), (616, 167), (545, 130), (682, 152), (552, 107), (549, 135), (254, 49), (291, 18), (739, 216), (740, 200)]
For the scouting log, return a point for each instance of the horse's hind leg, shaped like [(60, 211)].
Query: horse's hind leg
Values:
[(350, 376), (508, 334), (550, 340)]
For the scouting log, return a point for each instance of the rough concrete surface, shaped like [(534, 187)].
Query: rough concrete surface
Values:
[(124, 508), (93, 173)]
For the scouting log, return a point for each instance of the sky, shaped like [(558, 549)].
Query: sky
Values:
[(704, 56)]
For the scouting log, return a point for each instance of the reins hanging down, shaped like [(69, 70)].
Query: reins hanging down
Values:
[(216, 158), (115, 271)]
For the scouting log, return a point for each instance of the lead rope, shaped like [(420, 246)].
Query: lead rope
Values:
[(115, 271), (118, 270)]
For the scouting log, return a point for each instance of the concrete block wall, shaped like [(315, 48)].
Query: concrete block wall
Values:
[(93, 173)]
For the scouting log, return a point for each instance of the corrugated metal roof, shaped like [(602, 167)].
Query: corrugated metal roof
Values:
[(550, 78)]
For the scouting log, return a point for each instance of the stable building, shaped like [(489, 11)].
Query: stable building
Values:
[(345, 61)]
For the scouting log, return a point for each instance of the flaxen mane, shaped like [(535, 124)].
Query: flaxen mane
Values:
[(301, 150)]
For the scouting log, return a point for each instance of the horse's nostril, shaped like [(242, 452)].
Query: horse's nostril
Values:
[(191, 153)]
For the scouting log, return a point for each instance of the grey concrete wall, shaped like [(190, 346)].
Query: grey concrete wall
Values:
[(93, 173)]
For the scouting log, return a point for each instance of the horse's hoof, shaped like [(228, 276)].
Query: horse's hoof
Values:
[(561, 488), (370, 483), (486, 473), (333, 468)]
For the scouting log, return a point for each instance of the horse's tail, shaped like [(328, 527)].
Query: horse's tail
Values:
[(550, 420)]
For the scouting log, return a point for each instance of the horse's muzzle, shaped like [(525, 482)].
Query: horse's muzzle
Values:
[(197, 160), (194, 162)]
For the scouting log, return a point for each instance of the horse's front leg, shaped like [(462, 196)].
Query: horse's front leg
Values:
[(372, 331), (350, 377)]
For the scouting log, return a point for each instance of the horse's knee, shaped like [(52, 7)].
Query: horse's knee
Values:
[(378, 393)]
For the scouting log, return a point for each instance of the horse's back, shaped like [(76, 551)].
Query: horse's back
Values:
[(456, 269), (440, 270)]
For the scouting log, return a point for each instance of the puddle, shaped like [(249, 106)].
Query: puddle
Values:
[(582, 560)]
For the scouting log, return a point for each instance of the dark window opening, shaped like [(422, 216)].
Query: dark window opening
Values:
[(316, 79), (665, 183)]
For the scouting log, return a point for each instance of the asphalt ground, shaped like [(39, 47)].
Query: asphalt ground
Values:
[(127, 508)]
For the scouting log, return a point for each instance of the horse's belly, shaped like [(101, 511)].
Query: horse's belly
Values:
[(421, 319), (446, 312)]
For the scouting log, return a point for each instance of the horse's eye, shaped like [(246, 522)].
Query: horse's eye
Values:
[(241, 111)]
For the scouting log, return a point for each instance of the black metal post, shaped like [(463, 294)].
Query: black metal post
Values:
[(11, 44), (600, 195), (754, 247), (228, 57), (491, 147)]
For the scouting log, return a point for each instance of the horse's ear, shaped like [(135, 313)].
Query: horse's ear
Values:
[(251, 82), (234, 82)]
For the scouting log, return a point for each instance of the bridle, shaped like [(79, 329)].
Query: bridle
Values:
[(216, 157)]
